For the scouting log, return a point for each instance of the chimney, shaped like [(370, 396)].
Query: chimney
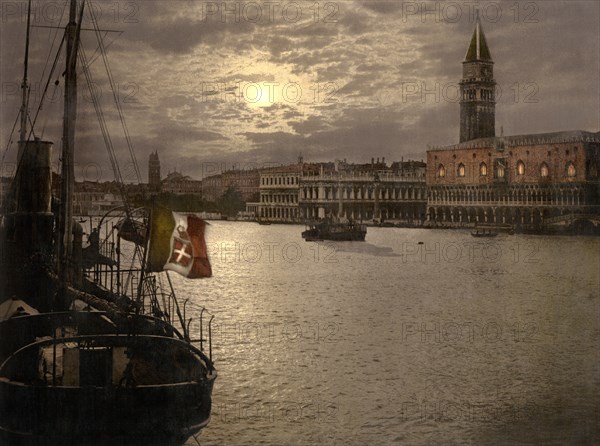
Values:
[(372, 161)]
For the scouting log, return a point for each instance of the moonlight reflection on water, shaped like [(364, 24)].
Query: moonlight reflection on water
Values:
[(452, 341)]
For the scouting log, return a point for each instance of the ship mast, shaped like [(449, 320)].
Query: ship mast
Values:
[(72, 33), (25, 90)]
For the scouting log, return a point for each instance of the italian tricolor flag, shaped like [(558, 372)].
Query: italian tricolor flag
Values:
[(177, 244)]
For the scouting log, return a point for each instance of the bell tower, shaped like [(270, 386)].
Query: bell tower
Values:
[(154, 171), (477, 100)]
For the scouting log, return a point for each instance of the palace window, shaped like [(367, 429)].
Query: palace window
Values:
[(500, 170), (544, 170), (520, 168), (571, 169), (441, 171), (461, 170), (483, 169)]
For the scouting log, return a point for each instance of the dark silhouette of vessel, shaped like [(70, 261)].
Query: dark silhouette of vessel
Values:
[(89, 348)]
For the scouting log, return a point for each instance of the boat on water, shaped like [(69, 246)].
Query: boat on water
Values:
[(337, 231), (484, 233), (95, 347)]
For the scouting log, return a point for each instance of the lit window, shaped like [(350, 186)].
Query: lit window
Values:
[(461, 170), (520, 168), (483, 169), (571, 170), (500, 171), (441, 171), (544, 170)]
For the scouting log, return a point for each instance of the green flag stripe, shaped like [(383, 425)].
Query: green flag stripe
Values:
[(160, 238)]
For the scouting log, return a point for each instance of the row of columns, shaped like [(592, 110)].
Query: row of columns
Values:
[(363, 192), (515, 196), (406, 212)]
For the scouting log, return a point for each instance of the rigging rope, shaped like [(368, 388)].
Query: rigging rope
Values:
[(104, 129), (52, 46), (115, 97), (41, 104), (10, 137)]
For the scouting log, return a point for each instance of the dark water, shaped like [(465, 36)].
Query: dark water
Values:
[(456, 341)]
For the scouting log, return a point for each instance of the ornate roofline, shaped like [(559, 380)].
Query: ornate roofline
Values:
[(523, 140)]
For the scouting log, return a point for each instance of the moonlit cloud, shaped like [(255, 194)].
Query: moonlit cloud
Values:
[(351, 79)]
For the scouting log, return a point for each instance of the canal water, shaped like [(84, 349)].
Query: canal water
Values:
[(413, 337)]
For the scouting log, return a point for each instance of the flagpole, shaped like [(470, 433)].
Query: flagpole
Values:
[(145, 256)]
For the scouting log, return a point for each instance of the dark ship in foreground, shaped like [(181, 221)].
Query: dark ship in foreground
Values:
[(89, 349)]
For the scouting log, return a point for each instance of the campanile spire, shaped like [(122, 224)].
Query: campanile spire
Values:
[(477, 103)]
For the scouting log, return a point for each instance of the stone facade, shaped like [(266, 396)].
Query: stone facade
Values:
[(95, 199), (179, 184), (245, 181), (526, 182), (279, 191), (212, 187), (374, 192)]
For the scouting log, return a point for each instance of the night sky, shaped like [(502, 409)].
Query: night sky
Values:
[(210, 85)]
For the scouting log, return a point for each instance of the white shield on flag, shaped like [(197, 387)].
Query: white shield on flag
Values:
[(182, 252)]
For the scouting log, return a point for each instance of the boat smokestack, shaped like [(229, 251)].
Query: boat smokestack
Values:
[(34, 178), (29, 228)]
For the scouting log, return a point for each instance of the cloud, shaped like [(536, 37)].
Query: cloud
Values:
[(359, 56)]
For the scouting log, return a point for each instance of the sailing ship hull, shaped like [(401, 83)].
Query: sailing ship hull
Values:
[(90, 386), (474, 234), (87, 356), (57, 414)]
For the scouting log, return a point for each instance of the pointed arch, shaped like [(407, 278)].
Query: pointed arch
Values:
[(441, 171), (483, 169)]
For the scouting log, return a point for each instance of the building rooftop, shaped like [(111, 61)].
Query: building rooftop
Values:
[(524, 140)]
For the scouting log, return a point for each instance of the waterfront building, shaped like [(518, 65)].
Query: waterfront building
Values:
[(212, 188), (279, 192), (95, 198), (245, 181), (530, 182), (368, 192), (252, 210), (179, 184)]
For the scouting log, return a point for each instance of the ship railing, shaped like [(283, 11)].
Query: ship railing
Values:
[(159, 299), (11, 368), (202, 334)]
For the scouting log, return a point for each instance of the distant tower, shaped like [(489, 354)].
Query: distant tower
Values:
[(477, 103), (154, 171)]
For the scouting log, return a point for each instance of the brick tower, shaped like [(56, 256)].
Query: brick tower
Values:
[(154, 171), (477, 103)]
